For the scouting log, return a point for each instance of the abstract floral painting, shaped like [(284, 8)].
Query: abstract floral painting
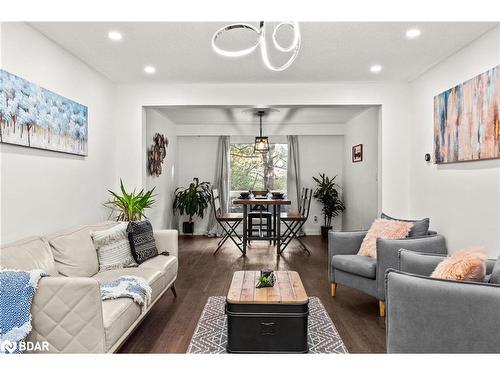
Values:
[(35, 117), (467, 120)]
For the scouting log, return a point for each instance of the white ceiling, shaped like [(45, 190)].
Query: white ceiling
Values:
[(286, 115), (331, 51)]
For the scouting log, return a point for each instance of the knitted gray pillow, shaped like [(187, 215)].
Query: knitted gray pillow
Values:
[(419, 228), (142, 241)]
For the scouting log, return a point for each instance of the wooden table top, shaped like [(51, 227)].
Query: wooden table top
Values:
[(262, 202), (287, 289)]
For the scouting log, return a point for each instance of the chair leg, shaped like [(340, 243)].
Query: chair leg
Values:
[(381, 307), (174, 292), (333, 289)]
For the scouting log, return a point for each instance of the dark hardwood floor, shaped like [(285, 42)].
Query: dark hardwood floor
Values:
[(170, 324)]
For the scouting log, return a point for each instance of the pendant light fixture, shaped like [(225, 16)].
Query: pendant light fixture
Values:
[(261, 143)]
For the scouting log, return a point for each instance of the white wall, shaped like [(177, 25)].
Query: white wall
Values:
[(360, 187), (462, 199), (196, 157), (393, 98), (320, 154), (43, 191), (160, 215)]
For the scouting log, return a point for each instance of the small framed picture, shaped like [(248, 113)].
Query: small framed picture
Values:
[(357, 153)]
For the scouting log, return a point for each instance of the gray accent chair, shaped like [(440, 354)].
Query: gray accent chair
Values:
[(367, 274), (428, 315)]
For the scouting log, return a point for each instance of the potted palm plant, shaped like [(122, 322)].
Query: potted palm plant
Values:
[(327, 194), (130, 206), (192, 201)]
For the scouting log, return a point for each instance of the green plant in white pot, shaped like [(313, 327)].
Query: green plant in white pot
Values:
[(192, 201), (327, 194), (130, 206)]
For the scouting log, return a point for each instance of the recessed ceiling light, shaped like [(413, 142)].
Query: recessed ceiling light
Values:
[(413, 33), (149, 69), (376, 68), (115, 35)]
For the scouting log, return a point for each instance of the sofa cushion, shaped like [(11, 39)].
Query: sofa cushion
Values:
[(156, 279), (386, 229), (419, 228), (463, 265), (165, 264), (118, 316), (28, 254), (495, 273), (74, 251), (356, 264), (113, 248), (142, 241)]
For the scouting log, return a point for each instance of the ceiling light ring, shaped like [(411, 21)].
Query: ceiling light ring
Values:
[(296, 36), (235, 53), (261, 41)]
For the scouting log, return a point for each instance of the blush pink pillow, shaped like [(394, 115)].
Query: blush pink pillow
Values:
[(465, 265), (382, 228)]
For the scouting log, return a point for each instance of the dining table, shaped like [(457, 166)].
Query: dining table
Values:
[(276, 203)]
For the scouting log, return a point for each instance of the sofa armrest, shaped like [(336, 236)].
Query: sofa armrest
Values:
[(343, 243), (167, 240), (426, 315), (67, 313), (388, 254), (418, 263)]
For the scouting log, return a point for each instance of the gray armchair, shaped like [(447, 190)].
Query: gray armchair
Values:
[(368, 274), (427, 315)]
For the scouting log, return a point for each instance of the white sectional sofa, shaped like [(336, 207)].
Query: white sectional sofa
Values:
[(67, 308)]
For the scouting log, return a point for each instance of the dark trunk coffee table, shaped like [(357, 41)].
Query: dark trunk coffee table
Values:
[(267, 320)]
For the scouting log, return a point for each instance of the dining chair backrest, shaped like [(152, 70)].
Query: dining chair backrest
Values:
[(302, 197), (216, 202), (259, 207), (307, 203)]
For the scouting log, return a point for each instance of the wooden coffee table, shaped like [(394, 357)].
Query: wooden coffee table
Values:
[(267, 320)]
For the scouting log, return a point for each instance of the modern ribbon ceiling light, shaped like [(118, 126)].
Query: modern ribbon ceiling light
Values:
[(261, 42)]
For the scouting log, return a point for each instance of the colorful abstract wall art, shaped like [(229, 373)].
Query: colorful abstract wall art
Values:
[(35, 117), (467, 120)]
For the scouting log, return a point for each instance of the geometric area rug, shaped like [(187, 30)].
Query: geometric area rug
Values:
[(210, 336)]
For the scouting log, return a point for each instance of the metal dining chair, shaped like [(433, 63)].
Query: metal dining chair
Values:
[(294, 221), (228, 222), (262, 213)]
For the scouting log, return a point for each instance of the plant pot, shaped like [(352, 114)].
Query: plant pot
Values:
[(188, 227), (324, 231)]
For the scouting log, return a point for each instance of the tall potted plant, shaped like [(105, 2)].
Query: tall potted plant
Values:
[(129, 206), (327, 194), (192, 201)]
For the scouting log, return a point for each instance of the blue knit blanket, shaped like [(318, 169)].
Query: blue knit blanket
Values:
[(127, 287), (17, 289)]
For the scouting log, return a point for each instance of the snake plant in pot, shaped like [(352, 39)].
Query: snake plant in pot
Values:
[(192, 201), (129, 206), (327, 194)]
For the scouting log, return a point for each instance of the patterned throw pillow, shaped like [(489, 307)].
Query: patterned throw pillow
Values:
[(113, 248), (382, 228), (142, 241)]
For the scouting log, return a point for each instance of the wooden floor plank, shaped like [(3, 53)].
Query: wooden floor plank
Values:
[(170, 324)]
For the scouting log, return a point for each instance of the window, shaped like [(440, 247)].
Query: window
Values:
[(255, 171)]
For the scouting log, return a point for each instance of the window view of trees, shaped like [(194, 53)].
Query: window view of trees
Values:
[(256, 171)]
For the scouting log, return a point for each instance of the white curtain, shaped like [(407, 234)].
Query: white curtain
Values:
[(221, 182), (293, 171)]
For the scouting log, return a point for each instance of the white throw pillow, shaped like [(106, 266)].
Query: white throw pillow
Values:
[(113, 248)]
